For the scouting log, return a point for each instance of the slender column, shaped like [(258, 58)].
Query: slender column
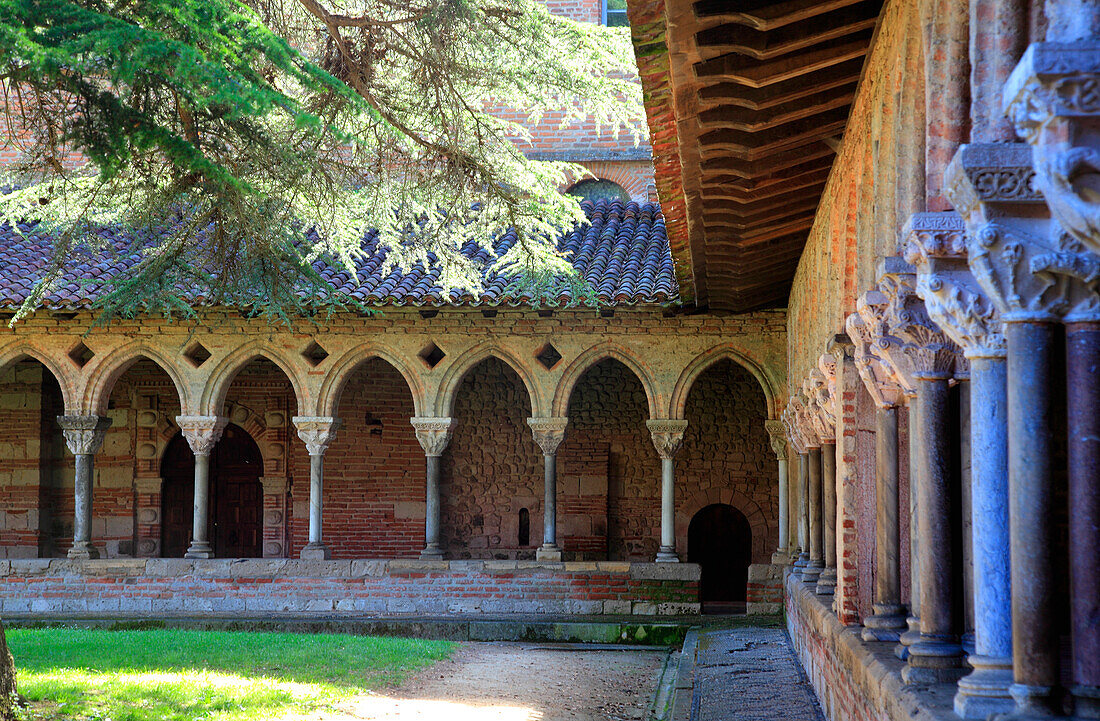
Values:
[(84, 436), (317, 432), (202, 433), (888, 620), (434, 435), (1083, 380), (912, 634), (962, 387), (817, 559), (549, 433), (826, 582), (803, 510), (668, 438), (776, 433), (937, 656)]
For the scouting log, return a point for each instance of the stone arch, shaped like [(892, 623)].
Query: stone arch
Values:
[(106, 374), (267, 430), (704, 361), (445, 401), (341, 371), (758, 522), (68, 384), (591, 357), (221, 377)]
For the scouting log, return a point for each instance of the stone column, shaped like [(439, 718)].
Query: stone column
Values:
[(668, 437), (803, 510), (888, 620), (84, 436), (1051, 98), (816, 563), (778, 438), (549, 433), (826, 582), (434, 434), (202, 433), (317, 432), (912, 634)]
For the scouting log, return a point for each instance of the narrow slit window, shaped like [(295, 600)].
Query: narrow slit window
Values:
[(524, 527)]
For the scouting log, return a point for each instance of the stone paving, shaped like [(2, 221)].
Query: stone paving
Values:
[(750, 674)]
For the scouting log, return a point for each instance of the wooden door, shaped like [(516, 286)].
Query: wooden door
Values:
[(177, 496)]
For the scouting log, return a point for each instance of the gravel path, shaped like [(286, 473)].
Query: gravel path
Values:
[(523, 682)]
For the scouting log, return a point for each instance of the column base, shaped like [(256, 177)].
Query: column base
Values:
[(667, 554), (886, 623), (548, 552), (1033, 703), (933, 660), (801, 559), (985, 690), (908, 638), (316, 552), (826, 582), (82, 551), (1086, 700), (812, 571), (199, 549), (432, 553)]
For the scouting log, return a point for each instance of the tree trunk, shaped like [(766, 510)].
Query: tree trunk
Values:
[(7, 680)]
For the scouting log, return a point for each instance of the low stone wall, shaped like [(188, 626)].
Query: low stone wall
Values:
[(855, 680), (765, 591), (166, 587)]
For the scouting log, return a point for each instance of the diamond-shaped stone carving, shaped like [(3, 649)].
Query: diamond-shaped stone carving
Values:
[(432, 355), (548, 356), (314, 354), (197, 354), (81, 354)]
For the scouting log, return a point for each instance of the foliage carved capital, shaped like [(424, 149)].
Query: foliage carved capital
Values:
[(777, 434), (876, 373), (434, 434), (84, 434), (317, 432), (202, 432), (667, 435), (549, 433)]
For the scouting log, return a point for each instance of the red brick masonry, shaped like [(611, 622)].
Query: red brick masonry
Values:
[(161, 587)]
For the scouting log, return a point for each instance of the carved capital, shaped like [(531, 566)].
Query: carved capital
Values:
[(548, 432), (84, 434), (317, 432), (668, 435), (1022, 259), (777, 434), (923, 350), (1053, 98), (935, 243), (433, 433), (802, 419), (202, 432), (790, 423), (819, 406), (878, 377)]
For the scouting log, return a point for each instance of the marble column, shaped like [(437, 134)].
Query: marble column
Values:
[(201, 433), (434, 434), (816, 562), (888, 618), (777, 436), (549, 433), (84, 436), (668, 438), (826, 582), (317, 432), (912, 633), (803, 511)]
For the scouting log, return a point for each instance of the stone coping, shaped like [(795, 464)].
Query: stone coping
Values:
[(360, 568), (874, 670)]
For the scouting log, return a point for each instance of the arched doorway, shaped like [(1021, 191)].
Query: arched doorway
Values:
[(236, 496), (720, 541)]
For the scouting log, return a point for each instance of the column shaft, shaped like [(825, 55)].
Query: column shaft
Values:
[(803, 511), (432, 547), (937, 656), (1083, 381), (316, 548), (550, 501), (888, 620), (200, 542), (667, 551), (985, 690), (817, 559), (784, 548), (912, 635), (965, 482), (1032, 513), (82, 520), (826, 582)]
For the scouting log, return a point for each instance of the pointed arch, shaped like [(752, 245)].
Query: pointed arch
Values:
[(341, 371), (105, 374), (445, 400), (221, 377), (591, 357), (69, 392), (704, 361)]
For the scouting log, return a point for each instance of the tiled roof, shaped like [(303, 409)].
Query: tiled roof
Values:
[(622, 252)]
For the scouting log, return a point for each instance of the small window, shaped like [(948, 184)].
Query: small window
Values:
[(524, 527), (599, 190), (614, 14)]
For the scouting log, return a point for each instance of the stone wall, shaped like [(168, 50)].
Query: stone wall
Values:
[(159, 588)]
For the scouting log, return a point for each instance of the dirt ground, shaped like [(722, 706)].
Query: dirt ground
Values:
[(524, 682)]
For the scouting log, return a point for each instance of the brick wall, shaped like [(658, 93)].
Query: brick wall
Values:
[(161, 588)]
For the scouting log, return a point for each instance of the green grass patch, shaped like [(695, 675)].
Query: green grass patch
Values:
[(177, 675)]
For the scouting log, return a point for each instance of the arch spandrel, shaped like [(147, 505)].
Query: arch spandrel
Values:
[(707, 359), (342, 369), (69, 382), (457, 371), (656, 400), (221, 377)]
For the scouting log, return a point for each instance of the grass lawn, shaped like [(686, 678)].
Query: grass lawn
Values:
[(175, 675)]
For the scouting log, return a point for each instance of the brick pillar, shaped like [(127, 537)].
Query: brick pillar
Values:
[(846, 601)]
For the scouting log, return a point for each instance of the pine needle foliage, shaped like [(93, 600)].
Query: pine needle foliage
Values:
[(239, 143)]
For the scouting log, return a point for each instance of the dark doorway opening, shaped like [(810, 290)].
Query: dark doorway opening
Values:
[(720, 541), (236, 496)]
